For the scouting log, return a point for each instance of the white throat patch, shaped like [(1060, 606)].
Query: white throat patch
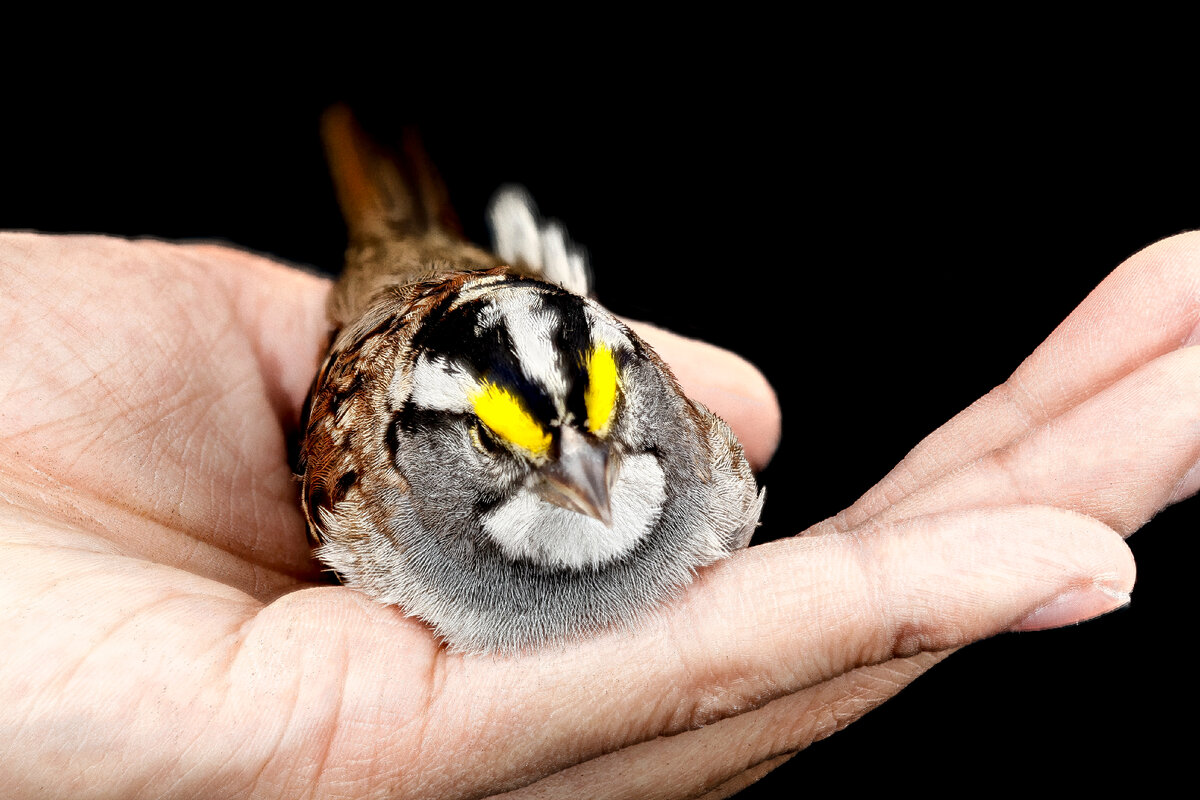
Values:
[(527, 527)]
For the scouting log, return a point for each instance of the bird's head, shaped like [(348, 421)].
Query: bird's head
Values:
[(537, 418)]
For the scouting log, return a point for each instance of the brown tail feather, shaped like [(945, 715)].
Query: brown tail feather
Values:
[(384, 194)]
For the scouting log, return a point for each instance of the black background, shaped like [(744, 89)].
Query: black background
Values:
[(884, 251)]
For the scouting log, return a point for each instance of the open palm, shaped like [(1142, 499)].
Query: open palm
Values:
[(172, 637)]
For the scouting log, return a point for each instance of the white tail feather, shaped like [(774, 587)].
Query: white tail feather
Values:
[(520, 237)]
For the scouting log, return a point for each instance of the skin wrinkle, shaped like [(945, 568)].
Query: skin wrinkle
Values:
[(700, 694), (16, 499), (862, 543), (178, 785), (907, 637), (12, 735), (560, 759), (211, 545), (39, 545), (392, 729), (433, 698), (184, 478), (752, 775), (335, 714), (1187, 484), (238, 473), (1176, 256), (837, 720), (1189, 477), (1030, 410), (118, 546), (125, 404), (671, 715), (719, 693), (286, 412), (1193, 336), (118, 401), (244, 650), (1008, 396), (126, 620), (219, 670), (1005, 463), (138, 511), (13, 334), (739, 693)]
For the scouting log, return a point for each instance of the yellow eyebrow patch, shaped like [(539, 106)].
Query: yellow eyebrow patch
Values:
[(500, 410), (600, 398)]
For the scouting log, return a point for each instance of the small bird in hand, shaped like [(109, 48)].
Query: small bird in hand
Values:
[(487, 447)]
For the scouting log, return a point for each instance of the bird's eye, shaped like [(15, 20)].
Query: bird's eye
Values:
[(502, 413), (483, 440), (600, 397)]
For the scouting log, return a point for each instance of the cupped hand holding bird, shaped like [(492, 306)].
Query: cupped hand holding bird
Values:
[(169, 635)]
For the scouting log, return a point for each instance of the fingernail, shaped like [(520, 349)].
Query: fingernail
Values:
[(1074, 607)]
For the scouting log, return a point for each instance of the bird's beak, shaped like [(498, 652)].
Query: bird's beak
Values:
[(578, 479)]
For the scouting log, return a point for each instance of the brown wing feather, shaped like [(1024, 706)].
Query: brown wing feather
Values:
[(349, 396)]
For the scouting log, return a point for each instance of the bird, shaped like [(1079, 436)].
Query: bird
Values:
[(487, 447)]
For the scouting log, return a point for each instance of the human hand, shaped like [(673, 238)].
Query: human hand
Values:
[(173, 641)]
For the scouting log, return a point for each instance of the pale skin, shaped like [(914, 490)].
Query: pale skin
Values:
[(170, 637)]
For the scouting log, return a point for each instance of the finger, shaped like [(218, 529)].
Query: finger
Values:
[(781, 618), (1147, 307), (728, 385), (720, 759), (1120, 456)]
